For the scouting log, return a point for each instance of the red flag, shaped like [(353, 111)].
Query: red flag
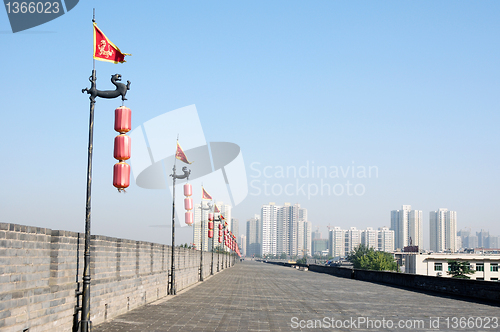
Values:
[(179, 154), (205, 195), (222, 218), (216, 209), (105, 50)]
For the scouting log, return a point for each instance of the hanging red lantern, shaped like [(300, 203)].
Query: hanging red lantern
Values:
[(220, 226), (220, 233), (211, 216), (211, 225), (188, 203), (121, 175), (220, 239), (188, 189), (189, 218), (123, 116), (210, 233), (122, 147)]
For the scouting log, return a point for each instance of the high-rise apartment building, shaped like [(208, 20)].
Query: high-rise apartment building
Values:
[(269, 221), (483, 239), (385, 239), (242, 243), (341, 242), (352, 239), (304, 246), (285, 229), (235, 227), (336, 242), (443, 230), (253, 240), (200, 232), (201, 225), (407, 226), (369, 238)]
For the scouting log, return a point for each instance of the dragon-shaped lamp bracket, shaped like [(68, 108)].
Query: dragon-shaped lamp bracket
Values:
[(182, 176), (121, 89)]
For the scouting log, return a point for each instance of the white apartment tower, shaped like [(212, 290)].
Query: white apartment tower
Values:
[(269, 218), (336, 242), (201, 225), (443, 230), (304, 238), (407, 226), (385, 239), (369, 238), (352, 239)]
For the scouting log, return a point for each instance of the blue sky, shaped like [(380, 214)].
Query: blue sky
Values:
[(408, 87)]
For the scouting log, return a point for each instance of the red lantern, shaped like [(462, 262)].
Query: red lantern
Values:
[(211, 225), (123, 116), (122, 147), (220, 233), (210, 233), (189, 218), (210, 216), (220, 239), (121, 175), (188, 203), (220, 226), (188, 189)]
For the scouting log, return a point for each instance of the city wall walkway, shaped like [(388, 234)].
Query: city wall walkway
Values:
[(254, 296)]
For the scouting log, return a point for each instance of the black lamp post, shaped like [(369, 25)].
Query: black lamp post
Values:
[(202, 235), (213, 240), (121, 90), (185, 175)]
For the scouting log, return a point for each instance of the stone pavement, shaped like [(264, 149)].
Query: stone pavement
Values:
[(253, 296)]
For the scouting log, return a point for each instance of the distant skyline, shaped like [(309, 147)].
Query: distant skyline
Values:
[(408, 90)]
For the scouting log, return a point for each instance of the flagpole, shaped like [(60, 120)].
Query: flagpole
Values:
[(171, 285), (85, 323), (85, 318), (171, 288)]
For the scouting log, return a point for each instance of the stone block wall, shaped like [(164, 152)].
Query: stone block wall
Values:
[(38, 276)]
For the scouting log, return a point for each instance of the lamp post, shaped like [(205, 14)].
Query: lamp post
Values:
[(171, 285), (213, 240), (202, 235), (121, 90)]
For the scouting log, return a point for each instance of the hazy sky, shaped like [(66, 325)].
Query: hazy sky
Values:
[(408, 90)]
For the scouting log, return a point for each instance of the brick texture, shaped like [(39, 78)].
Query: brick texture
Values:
[(38, 276)]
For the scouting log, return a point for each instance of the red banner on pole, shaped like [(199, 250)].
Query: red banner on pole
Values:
[(105, 50)]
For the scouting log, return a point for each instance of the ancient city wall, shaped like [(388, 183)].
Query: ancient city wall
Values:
[(38, 276)]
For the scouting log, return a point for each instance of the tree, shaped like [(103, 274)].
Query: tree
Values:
[(368, 259), (302, 260), (459, 269), (283, 255)]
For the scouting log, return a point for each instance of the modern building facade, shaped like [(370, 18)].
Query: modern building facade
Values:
[(407, 226), (254, 241), (385, 239), (485, 266), (341, 242), (336, 242), (443, 230), (201, 225), (242, 243), (285, 229)]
